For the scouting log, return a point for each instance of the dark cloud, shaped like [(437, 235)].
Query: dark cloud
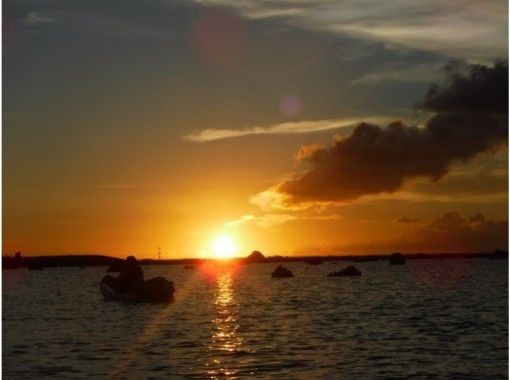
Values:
[(456, 232), (478, 89), (451, 232), (376, 160), (405, 219)]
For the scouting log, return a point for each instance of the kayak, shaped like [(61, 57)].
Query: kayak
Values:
[(157, 290)]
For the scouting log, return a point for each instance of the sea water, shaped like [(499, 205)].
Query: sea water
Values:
[(427, 319)]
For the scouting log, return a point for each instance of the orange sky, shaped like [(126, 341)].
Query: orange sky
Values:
[(126, 129)]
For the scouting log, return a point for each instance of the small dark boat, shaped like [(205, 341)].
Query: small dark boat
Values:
[(397, 259), (281, 272), (350, 271), (155, 290), (314, 262), (35, 267), (189, 267)]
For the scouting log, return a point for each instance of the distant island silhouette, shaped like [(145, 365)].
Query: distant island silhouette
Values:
[(19, 261)]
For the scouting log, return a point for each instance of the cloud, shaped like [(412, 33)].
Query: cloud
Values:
[(457, 233), (476, 89), (406, 220), (263, 221), (274, 220), (374, 160), (296, 127), (467, 29), (242, 220), (37, 18), (424, 73), (450, 232), (465, 184), (158, 21)]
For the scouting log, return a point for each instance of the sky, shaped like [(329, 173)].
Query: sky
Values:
[(288, 127)]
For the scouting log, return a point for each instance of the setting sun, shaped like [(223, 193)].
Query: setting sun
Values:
[(224, 247)]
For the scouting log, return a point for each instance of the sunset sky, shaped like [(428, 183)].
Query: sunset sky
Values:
[(133, 125)]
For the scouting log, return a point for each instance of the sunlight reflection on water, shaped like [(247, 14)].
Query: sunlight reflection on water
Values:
[(225, 338)]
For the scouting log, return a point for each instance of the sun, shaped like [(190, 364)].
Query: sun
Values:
[(224, 247)]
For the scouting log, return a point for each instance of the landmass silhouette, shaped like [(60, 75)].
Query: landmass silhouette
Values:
[(17, 260)]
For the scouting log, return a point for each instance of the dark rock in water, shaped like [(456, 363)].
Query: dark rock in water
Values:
[(116, 268), (189, 267), (498, 254), (281, 272), (350, 271), (397, 259), (255, 257)]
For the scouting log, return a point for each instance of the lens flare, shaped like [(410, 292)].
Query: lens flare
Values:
[(291, 105)]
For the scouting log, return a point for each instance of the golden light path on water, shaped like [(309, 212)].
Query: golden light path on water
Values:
[(225, 338)]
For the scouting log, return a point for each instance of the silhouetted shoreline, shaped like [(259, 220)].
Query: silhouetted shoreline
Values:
[(12, 262)]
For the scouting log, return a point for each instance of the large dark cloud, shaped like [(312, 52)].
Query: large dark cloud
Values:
[(472, 119), (480, 89)]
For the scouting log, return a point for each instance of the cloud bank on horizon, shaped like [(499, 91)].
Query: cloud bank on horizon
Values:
[(452, 232)]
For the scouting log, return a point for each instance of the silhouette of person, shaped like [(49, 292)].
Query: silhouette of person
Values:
[(131, 279)]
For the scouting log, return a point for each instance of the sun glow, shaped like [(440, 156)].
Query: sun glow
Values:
[(224, 247)]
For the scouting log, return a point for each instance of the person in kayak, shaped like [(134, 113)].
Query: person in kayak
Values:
[(130, 279)]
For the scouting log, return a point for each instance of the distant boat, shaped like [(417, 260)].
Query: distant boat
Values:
[(282, 272), (189, 267), (314, 262), (397, 259), (35, 267), (350, 271)]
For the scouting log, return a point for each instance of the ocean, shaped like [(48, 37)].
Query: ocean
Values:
[(428, 319)]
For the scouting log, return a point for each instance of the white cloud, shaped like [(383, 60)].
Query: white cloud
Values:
[(425, 73), (37, 18), (243, 219), (275, 220), (467, 29), (263, 221), (286, 128)]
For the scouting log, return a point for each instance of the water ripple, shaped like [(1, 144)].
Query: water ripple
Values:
[(430, 319)]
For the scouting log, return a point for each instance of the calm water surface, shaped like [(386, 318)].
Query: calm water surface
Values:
[(428, 319)]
